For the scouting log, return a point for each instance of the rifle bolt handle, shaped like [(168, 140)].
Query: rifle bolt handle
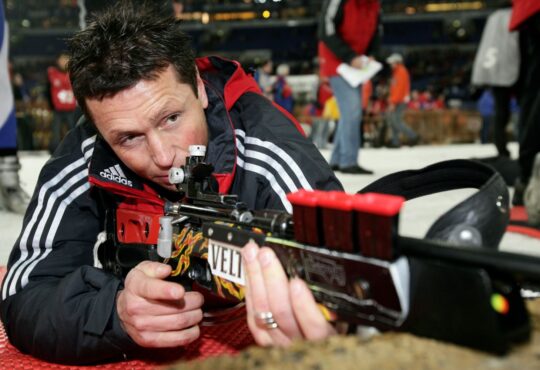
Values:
[(176, 175)]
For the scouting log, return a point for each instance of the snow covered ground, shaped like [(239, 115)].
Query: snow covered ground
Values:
[(417, 215)]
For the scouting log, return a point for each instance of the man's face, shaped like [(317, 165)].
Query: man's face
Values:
[(267, 67), (62, 62), (151, 125)]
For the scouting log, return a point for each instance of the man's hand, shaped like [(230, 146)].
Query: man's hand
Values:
[(290, 303), (158, 313), (358, 62)]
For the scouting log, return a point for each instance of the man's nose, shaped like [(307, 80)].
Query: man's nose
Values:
[(162, 153)]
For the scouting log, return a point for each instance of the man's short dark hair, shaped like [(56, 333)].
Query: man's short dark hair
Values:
[(124, 45)]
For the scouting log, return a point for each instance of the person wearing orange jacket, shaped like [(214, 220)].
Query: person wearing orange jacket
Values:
[(398, 98)]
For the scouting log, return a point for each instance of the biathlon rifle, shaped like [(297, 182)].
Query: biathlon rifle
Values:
[(347, 249)]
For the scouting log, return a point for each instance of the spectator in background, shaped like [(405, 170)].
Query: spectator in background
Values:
[(381, 98), (526, 18), (281, 89), (367, 92), (22, 99), (514, 117), (486, 108), (398, 98), (378, 112), (440, 102), (330, 112), (496, 66), (20, 90), (263, 76), (347, 30), (178, 8), (320, 127), (414, 101), (62, 100), (12, 196), (426, 100)]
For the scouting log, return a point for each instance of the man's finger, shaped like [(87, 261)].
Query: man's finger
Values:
[(277, 285), (156, 307), (261, 336), (167, 339), (164, 323), (254, 293), (257, 294), (152, 288), (311, 320), (154, 269), (257, 290)]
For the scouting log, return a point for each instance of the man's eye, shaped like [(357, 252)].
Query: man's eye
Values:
[(173, 118), (126, 140)]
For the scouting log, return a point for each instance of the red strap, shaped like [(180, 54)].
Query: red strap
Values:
[(147, 195), (224, 181)]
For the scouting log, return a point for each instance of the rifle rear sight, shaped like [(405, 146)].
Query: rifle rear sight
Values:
[(195, 181)]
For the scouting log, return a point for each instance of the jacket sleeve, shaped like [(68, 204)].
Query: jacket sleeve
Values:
[(55, 305), (274, 157), (330, 19)]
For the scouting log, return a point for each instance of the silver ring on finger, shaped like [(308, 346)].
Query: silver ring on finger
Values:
[(265, 320)]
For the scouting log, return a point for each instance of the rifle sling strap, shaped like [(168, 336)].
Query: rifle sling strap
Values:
[(479, 220)]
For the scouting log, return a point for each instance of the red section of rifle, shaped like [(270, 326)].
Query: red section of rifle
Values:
[(337, 221), (306, 216), (365, 223), (138, 223), (379, 204), (376, 224)]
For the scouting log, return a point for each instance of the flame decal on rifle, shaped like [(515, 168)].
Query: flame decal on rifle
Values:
[(233, 290), (186, 244), (191, 243)]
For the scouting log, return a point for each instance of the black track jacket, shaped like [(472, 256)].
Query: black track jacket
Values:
[(55, 305)]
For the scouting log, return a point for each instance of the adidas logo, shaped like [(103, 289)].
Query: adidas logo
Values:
[(116, 174)]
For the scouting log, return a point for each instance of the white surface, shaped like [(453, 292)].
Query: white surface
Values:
[(356, 76), (11, 223), (416, 217)]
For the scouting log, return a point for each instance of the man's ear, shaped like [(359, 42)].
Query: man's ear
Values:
[(201, 91)]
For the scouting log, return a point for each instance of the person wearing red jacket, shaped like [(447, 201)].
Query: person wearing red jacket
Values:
[(62, 100), (347, 31), (526, 19), (320, 127), (398, 98)]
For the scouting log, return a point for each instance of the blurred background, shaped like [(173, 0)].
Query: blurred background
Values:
[(438, 40)]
